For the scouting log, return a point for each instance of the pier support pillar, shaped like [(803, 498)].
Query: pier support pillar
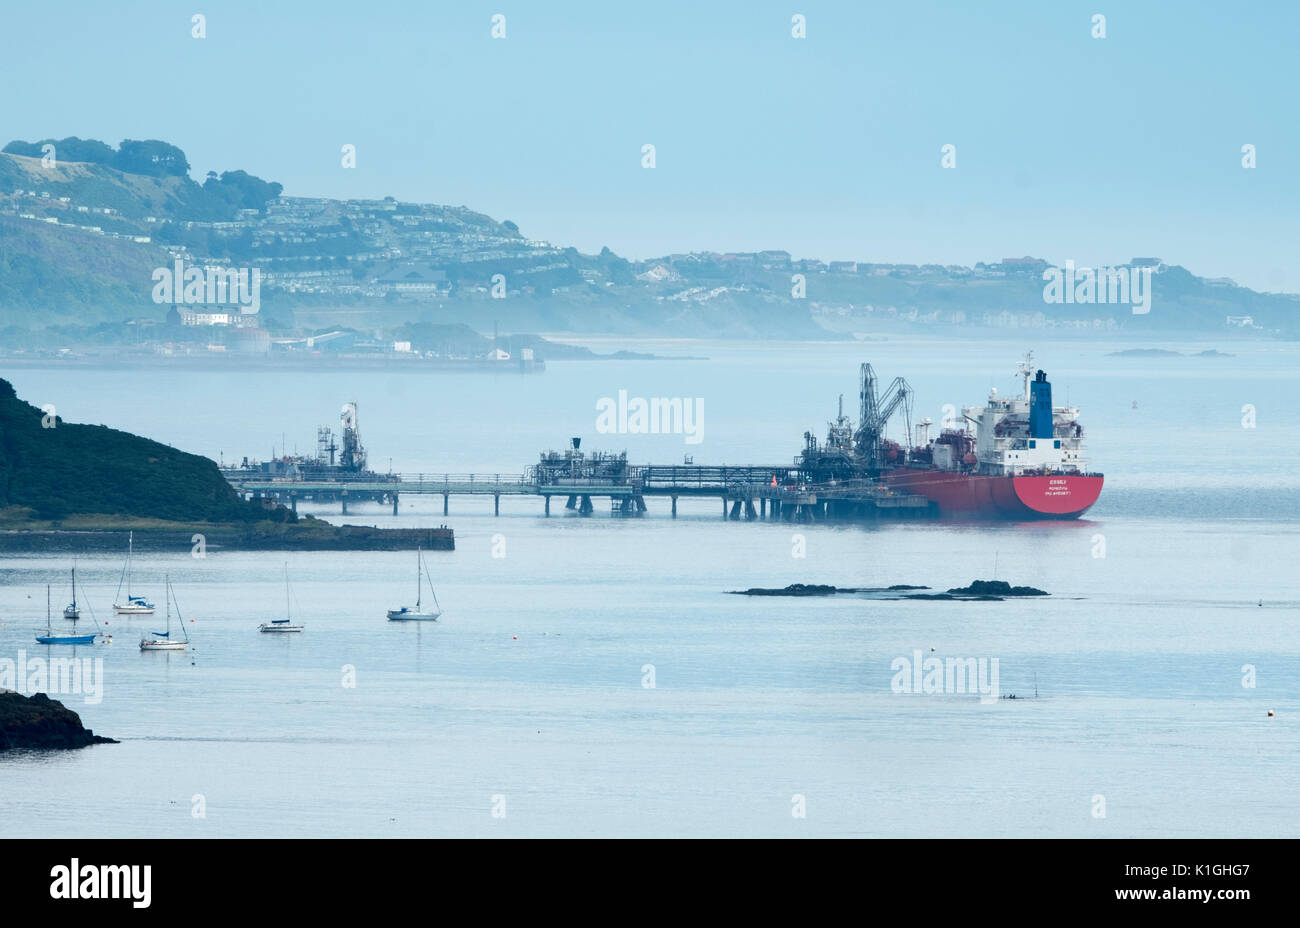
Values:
[(344, 497), (674, 507), (293, 502), (572, 503), (724, 507), (548, 504), (750, 513), (496, 504), (735, 510), (394, 504), (762, 507), (640, 503), (445, 496), (586, 508)]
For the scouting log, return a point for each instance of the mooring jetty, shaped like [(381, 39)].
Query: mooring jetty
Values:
[(776, 492)]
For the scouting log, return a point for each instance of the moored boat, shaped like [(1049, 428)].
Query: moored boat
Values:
[(133, 605), (285, 625), (1022, 458), (418, 613), (50, 638), (163, 641), (72, 612)]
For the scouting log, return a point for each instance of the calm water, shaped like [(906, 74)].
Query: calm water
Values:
[(532, 689)]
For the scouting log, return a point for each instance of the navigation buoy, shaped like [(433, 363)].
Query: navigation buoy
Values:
[(515, 637), (1270, 713)]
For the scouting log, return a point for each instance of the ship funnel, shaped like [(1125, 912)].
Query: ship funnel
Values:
[(1040, 407)]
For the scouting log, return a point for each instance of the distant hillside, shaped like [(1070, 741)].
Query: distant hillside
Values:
[(81, 234), (137, 180), (71, 469)]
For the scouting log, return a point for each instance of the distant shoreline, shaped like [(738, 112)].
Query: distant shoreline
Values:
[(304, 365), (257, 537)]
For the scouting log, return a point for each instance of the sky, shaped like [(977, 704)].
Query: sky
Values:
[(1066, 146)]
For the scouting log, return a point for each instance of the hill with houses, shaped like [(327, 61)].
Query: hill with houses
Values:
[(85, 228)]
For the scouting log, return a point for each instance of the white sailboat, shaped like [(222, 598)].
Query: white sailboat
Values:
[(162, 641), (50, 638), (280, 626), (134, 605), (72, 611), (418, 614)]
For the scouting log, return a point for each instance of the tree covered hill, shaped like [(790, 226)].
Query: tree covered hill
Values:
[(71, 469), (137, 179)]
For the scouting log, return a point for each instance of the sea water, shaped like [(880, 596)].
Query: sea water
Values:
[(593, 676)]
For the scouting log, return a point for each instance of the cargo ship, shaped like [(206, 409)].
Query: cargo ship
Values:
[(1020, 458)]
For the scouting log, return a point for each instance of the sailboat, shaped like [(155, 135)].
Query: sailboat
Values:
[(134, 605), (162, 641), (285, 624), (406, 613), (50, 638), (71, 611)]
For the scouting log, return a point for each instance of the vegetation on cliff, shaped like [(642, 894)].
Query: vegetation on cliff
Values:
[(56, 468)]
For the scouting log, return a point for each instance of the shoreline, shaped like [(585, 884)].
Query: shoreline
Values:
[(258, 537)]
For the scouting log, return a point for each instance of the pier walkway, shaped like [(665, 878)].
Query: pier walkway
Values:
[(745, 492)]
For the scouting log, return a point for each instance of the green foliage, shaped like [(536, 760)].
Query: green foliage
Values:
[(618, 269), (72, 148), (218, 199), (81, 469), (242, 190), (151, 158)]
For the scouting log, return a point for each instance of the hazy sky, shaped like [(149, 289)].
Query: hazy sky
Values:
[(1067, 146)]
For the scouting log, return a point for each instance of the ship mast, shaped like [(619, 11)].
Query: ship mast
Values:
[(1026, 370)]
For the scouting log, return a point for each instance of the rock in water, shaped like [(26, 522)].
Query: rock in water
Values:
[(41, 723), (996, 588)]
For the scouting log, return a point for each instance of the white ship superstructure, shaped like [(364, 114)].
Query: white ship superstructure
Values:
[(1023, 434)]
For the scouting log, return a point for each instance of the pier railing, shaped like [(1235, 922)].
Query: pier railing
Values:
[(240, 478)]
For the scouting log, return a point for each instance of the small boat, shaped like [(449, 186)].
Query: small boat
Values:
[(134, 605), (72, 611), (162, 641), (50, 638), (285, 625), (417, 614)]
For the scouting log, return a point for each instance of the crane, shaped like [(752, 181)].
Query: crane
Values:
[(877, 409)]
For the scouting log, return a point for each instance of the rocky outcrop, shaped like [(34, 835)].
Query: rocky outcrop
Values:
[(995, 588), (38, 722), (819, 589)]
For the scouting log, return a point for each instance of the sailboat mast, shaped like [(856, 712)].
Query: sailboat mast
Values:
[(74, 586), (432, 591), (419, 580), (48, 629), (288, 612), (130, 549)]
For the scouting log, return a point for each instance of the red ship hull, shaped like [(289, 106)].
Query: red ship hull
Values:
[(972, 496)]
